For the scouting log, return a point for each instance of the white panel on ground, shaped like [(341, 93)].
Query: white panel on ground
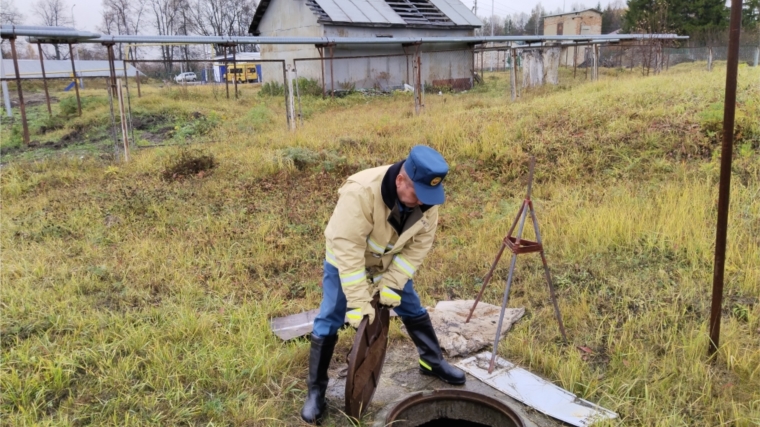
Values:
[(535, 391)]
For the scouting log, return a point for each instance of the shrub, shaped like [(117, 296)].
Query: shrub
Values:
[(272, 89), (309, 87)]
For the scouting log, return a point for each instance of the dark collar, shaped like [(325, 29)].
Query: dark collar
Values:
[(390, 198)]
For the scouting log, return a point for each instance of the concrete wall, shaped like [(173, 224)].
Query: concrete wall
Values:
[(292, 18), (439, 68), (576, 23), (289, 18)]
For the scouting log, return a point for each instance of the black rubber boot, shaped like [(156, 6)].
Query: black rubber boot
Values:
[(319, 360), (431, 358)]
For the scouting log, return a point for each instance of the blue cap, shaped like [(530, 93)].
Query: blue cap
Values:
[(427, 169)]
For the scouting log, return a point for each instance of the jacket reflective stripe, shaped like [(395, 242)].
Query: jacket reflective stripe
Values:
[(377, 278), (330, 258), (353, 278), (374, 246), (388, 248), (355, 313), (388, 293), (404, 265)]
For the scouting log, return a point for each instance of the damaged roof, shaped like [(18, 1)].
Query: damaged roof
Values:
[(384, 13)]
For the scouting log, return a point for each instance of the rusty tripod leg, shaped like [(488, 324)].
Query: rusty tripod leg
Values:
[(548, 275), (487, 279), (505, 300)]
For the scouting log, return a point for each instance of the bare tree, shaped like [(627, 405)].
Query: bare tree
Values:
[(222, 18), (53, 14), (167, 20), (123, 17), (9, 14)]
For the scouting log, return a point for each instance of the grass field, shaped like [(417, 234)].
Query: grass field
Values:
[(136, 294)]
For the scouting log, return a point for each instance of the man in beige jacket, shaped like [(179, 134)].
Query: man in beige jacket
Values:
[(381, 230)]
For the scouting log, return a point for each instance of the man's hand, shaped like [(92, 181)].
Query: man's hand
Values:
[(355, 315), (390, 297)]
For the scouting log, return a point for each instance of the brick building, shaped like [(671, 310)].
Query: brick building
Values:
[(576, 23)]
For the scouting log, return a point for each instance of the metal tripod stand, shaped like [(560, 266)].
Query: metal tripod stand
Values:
[(518, 245)]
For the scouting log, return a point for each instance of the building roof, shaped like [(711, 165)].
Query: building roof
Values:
[(30, 69), (575, 12), (384, 13)]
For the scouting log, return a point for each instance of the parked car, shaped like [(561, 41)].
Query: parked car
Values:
[(185, 77)]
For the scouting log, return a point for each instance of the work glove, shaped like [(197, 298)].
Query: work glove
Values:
[(355, 315), (390, 297)]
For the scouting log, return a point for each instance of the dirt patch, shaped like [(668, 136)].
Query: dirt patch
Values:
[(150, 121), (189, 163), (73, 137), (32, 99), (159, 136)]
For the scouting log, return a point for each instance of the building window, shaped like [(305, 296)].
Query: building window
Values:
[(560, 28)]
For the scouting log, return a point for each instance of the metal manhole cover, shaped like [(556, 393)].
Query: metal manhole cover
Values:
[(365, 361)]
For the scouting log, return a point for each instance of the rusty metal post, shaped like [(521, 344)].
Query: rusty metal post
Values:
[(575, 59), (76, 81), (122, 119), (137, 72), (21, 105), (724, 194), (129, 103), (111, 95), (234, 66), (226, 72), (332, 75), (513, 73), (285, 89), (322, 61), (44, 80), (406, 55)]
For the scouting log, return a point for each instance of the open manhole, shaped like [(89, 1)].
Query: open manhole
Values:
[(451, 408)]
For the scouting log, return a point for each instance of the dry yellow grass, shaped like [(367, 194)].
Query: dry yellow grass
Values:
[(130, 300)]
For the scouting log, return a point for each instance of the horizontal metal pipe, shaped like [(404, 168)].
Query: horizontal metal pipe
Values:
[(46, 34), (233, 40)]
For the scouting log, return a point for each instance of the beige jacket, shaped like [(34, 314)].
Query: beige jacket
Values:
[(363, 243)]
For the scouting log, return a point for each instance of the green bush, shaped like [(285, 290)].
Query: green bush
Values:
[(259, 117), (201, 125), (309, 87), (68, 106), (303, 158), (272, 89)]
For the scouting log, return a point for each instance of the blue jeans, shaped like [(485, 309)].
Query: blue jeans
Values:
[(332, 311)]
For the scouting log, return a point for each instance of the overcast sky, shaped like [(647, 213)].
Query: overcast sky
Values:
[(87, 13)]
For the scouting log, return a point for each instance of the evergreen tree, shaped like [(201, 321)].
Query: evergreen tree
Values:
[(612, 19), (751, 14), (679, 16)]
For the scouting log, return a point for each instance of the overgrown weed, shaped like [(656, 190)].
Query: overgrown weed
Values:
[(127, 300)]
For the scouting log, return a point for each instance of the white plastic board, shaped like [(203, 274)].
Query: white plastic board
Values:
[(535, 391)]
